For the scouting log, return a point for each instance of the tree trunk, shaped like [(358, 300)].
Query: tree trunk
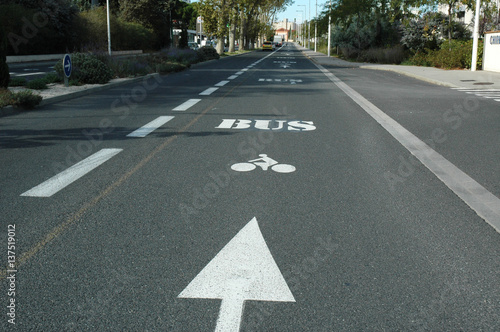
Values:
[(232, 34), (242, 31)]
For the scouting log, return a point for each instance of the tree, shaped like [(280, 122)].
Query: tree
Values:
[(4, 68), (153, 14)]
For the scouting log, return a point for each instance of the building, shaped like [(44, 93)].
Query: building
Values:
[(283, 28)]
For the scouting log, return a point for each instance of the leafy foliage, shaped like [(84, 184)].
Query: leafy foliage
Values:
[(4, 68), (25, 99), (87, 69), (37, 84), (206, 53)]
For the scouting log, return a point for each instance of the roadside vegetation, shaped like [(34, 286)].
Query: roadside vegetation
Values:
[(410, 32)]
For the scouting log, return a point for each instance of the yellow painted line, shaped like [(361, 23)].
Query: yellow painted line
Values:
[(58, 230)]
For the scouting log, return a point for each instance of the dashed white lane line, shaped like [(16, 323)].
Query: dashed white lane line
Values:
[(208, 91), (232, 77), (65, 178), (222, 83), (29, 74), (150, 127), (486, 205), (187, 105), (239, 73)]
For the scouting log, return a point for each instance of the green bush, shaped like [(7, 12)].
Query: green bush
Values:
[(25, 99), (5, 97), (451, 55), (37, 84), (91, 27), (394, 55), (4, 68), (206, 53), (18, 81), (52, 78), (87, 69), (169, 67), (186, 57)]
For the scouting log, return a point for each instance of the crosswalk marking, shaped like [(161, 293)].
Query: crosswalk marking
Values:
[(65, 178), (150, 127), (484, 93)]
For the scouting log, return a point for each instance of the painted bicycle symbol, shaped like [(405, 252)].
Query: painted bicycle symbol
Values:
[(265, 163)]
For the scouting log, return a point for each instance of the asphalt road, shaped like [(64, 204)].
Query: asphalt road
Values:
[(337, 228), (31, 70)]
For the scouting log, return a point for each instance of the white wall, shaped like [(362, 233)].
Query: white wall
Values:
[(491, 61)]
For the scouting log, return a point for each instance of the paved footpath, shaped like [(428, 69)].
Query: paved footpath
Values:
[(450, 78)]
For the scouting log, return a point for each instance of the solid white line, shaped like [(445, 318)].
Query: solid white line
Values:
[(232, 77), (222, 83), (63, 179), (186, 105), (208, 91), (150, 127), (486, 205)]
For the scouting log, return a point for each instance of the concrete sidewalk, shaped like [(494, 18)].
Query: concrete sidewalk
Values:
[(450, 78)]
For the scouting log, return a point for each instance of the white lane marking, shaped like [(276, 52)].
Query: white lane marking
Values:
[(245, 69), (29, 74), (150, 127), (232, 77), (70, 175), (239, 73), (243, 270), (208, 91), (486, 205), (186, 105), (222, 83), (262, 79)]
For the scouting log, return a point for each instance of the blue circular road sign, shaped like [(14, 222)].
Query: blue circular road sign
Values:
[(67, 65)]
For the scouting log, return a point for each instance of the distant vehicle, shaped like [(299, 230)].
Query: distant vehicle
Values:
[(193, 45), (268, 46), (278, 40)]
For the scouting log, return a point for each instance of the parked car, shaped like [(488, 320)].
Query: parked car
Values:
[(193, 45), (268, 46)]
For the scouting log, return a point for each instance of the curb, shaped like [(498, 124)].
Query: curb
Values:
[(416, 76), (10, 110), (402, 72)]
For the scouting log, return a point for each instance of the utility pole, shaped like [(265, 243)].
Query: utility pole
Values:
[(316, 29), (109, 28), (329, 28), (476, 36)]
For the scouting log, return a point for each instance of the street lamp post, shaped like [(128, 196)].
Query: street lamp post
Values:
[(301, 27), (316, 29), (329, 28), (109, 28), (305, 15), (476, 36)]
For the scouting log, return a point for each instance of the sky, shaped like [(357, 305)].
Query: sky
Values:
[(291, 12)]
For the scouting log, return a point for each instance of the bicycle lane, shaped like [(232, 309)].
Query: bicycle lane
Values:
[(336, 235)]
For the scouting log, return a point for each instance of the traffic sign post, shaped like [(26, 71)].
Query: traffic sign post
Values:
[(67, 67)]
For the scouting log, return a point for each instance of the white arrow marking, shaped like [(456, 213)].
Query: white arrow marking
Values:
[(243, 270)]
